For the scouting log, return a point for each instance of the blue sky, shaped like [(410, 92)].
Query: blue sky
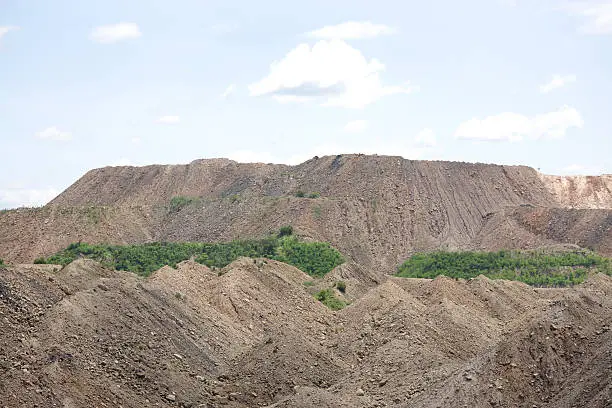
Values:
[(85, 84)]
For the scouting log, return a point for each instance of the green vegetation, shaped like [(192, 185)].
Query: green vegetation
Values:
[(302, 194), (316, 211), (341, 286), (2, 263), (309, 283), (179, 202), (537, 268), (285, 231), (314, 258), (329, 299)]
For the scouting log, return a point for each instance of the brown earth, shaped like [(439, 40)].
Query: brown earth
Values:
[(581, 191), (84, 336), (376, 209)]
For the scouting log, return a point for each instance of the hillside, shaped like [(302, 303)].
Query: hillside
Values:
[(253, 332), (255, 336), (376, 209), (581, 191)]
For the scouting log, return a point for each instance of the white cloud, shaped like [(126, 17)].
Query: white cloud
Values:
[(331, 72), (115, 32), (356, 126), (557, 81), (228, 91), (598, 15), (6, 29), (136, 140), (169, 120), (352, 30), (515, 127), (53, 133), (27, 197), (426, 138)]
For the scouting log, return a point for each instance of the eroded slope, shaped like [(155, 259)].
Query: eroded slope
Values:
[(376, 209), (86, 336)]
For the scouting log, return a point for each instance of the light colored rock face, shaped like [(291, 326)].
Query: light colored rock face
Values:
[(592, 192)]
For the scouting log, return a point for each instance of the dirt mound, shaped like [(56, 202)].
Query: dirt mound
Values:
[(377, 210), (528, 227), (252, 335), (580, 191), (28, 233)]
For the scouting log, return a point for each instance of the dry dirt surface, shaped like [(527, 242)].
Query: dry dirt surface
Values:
[(377, 210), (581, 191), (84, 336)]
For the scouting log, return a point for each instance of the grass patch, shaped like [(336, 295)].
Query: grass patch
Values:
[(179, 202), (536, 268), (329, 299), (302, 194), (316, 211), (314, 258)]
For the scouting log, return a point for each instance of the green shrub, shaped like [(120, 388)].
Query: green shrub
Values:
[(300, 194), (309, 283), (41, 260), (179, 202), (2, 262), (341, 286), (537, 268), (329, 299), (285, 231), (314, 258), (314, 195)]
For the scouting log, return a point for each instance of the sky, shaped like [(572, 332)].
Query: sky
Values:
[(87, 84)]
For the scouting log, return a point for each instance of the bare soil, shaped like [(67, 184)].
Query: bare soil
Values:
[(377, 210), (255, 336)]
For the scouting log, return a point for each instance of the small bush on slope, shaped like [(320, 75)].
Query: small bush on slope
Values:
[(341, 286), (285, 231), (179, 202), (537, 268), (329, 299)]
